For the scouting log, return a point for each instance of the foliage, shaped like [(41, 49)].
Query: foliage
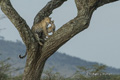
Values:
[(6, 69), (96, 71), (19, 77), (50, 75)]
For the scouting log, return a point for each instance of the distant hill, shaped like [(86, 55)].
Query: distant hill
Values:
[(62, 63)]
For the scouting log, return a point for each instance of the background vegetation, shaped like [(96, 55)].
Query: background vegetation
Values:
[(96, 72), (58, 67)]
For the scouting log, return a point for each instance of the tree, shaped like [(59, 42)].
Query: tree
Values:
[(36, 54)]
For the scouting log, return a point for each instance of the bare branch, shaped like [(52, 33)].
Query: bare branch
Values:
[(47, 10), (66, 32), (18, 22), (102, 2)]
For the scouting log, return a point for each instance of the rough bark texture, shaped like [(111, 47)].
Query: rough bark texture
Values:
[(36, 54)]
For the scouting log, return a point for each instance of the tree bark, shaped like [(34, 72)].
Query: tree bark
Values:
[(36, 54)]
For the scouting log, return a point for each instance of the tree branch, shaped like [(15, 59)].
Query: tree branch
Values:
[(103, 2), (67, 31), (47, 10), (18, 21)]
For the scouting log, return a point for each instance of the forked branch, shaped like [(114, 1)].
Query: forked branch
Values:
[(79, 23)]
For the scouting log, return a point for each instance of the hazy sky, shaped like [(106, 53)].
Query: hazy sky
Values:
[(98, 43)]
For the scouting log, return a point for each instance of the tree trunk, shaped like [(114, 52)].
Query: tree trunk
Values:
[(34, 64), (35, 71), (36, 54)]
